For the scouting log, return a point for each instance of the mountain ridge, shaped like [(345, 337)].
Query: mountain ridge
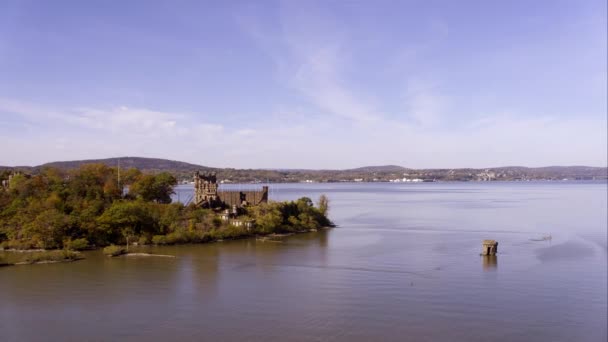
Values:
[(184, 170), (128, 161)]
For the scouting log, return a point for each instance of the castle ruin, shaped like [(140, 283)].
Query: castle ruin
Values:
[(207, 195), (6, 183)]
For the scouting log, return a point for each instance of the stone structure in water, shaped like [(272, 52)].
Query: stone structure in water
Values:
[(489, 247), (207, 194)]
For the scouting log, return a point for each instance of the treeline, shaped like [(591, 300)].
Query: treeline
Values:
[(183, 172), (87, 207)]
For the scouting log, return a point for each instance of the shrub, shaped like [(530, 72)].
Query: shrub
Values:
[(228, 232), (62, 255), (196, 236), (114, 250), (77, 244), (19, 244), (71, 255), (217, 222), (144, 240), (175, 237), (159, 240)]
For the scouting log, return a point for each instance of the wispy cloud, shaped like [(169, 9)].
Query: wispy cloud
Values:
[(88, 132), (423, 103), (318, 78), (128, 120), (500, 139), (309, 57), (114, 120), (313, 55), (325, 86)]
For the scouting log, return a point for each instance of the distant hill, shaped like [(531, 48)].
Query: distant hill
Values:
[(382, 173), (144, 164), (382, 168)]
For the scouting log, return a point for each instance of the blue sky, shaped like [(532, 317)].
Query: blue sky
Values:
[(303, 84)]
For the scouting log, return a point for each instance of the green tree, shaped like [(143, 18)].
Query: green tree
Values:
[(156, 188), (268, 217), (304, 204), (170, 216), (48, 229), (127, 218), (164, 184)]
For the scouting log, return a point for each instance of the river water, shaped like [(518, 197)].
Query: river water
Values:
[(402, 265)]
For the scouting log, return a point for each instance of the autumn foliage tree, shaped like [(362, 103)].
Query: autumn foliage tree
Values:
[(86, 206)]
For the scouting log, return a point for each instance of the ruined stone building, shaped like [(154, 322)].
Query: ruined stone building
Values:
[(207, 195), (6, 184)]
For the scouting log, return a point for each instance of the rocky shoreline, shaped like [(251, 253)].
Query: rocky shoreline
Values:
[(42, 256), (38, 256)]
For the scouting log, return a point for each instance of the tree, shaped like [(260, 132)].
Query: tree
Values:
[(130, 176), (156, 188), (268, 217), (323, 205), (164, 184), (304, 203), (93, 181), (127, 232), (48, 229), (127, 218)]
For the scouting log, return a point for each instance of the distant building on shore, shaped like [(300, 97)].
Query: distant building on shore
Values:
[(207, 194)]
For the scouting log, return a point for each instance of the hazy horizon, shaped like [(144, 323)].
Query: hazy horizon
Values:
[(310, 169), (305, 85)]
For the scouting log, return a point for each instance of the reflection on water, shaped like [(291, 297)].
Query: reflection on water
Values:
[(571, 249), (402, 265), (490, 262)]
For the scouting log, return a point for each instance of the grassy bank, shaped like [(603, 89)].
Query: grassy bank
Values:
[(181, 238), (39, 257)]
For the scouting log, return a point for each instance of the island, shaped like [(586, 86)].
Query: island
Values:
[(96, 206)]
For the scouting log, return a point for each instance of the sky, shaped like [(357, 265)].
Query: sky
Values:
[(305, 84)]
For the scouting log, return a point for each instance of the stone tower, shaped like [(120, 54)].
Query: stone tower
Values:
[(205, 189)]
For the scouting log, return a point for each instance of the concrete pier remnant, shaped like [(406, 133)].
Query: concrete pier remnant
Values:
[(489, 247)]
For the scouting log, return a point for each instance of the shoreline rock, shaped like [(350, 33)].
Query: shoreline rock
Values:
[(148, 255)]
